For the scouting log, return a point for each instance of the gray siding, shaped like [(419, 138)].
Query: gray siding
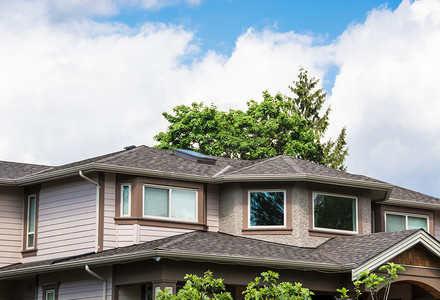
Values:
[(437, 224), (212, 207), (66, 219), (11, 225), (109, 212)]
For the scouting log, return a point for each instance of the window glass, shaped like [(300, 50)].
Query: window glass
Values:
[(417, 222), (50, 295), (183, 204), (266, 208), (170, 203), (334, 212), (395, 222), (125, 200), (156, 202)]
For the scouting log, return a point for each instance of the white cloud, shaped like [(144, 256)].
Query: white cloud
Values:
[(73, 90)]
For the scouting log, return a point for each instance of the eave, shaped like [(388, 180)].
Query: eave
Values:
[(409, 203)]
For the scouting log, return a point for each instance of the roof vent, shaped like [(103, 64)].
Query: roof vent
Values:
[(129, 147), (194, 156)]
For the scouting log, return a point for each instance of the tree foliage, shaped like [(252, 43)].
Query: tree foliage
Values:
[(277, 125)]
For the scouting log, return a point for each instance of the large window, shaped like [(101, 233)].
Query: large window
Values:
[(401, 221), (173, 203), (31, 221), (267, 208), (334, 212), (125, 200)]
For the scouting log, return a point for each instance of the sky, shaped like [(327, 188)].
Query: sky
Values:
[(83, 78)]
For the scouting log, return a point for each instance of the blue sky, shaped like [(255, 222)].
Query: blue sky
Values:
[(83, 78)]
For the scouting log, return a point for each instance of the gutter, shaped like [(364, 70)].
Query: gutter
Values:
[(142, 255), (409, 203), (97, 209), (104, 281), (7, 182)]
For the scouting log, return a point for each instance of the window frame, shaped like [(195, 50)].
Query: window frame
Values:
[(121, 213), (330, 230), (170, 188), (406, 215), (28, 233), (50, 288), (249, 209)]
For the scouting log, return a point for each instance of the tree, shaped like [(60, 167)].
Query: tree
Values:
[(277, 125)]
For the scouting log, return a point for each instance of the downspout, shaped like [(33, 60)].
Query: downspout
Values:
[(97, 208), (104, 281)]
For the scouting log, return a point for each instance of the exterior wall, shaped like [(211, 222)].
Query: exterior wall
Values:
[(66, 219), (231, 214), (135, 234), (78, 284), (11, 225), (212, 207), (109, 239), (437, 225)]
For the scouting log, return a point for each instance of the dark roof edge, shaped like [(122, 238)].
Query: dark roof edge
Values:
[(223, 259), (409, 203)]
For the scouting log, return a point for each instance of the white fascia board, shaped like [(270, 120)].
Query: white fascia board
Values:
[(409, 203), (130, 257), (418, 237), (7, 182)]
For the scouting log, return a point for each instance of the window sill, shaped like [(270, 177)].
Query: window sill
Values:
[(324, 233), (160, 223), (271, 231), (29, 253)]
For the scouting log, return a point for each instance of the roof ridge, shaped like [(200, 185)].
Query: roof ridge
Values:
[(295, 168), (257, 162)]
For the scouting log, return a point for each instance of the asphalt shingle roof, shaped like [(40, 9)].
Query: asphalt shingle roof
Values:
[(13, 170), (401, 193)]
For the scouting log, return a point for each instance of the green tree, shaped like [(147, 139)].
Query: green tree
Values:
[(277, 125)]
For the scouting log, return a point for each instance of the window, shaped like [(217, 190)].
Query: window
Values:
[(173, 203), (50, 295), (31, 221), (267, 208), (125, 200), (50, 291), (397, 221), (334, 213)]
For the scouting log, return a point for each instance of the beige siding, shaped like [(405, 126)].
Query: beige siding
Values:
[(82, 286), (212, 207), (109, 212), (66, 219), (11, 225), (135, 234)]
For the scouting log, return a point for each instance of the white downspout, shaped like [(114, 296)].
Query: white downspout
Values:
[(97, 209), (104, 281)]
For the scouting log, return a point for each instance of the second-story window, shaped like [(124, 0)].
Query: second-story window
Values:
[(172, 203), (31, 221), (334, 213), (401, 221), (125, 200), (267, 208)]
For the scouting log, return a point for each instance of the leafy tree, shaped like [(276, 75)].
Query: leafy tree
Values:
[(277, 125)]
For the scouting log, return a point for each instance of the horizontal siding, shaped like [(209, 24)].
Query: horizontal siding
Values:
[(212, 207), (11, 225), (66, 219), (150, 233), (125, 235), (437, 225), (109, 212)]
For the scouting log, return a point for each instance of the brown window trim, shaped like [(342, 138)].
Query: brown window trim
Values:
[(29, 191), (137, 190), (160, 223), (405, 210), (50, 286), (344, 192), (287, 230)]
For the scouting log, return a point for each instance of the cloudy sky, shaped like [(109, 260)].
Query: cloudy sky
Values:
[(81, 78)]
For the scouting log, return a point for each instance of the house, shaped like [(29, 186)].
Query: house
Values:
[(122, 225)]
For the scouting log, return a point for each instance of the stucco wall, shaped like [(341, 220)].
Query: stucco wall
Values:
[(231, 215)]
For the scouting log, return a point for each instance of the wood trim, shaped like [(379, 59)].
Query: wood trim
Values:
[(348, 192), (137, 186), (380, 210), (101, 182), (29, 191), (245, 203), (160, 223)]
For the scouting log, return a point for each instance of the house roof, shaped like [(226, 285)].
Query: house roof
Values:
[(405, 197), (12, 170), (339, 254)]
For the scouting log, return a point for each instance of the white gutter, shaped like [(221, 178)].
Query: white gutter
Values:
[(104, 281), (409, 203), (97, 209)]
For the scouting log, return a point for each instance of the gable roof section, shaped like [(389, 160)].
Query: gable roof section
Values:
[(341, 254), (12, 170)]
